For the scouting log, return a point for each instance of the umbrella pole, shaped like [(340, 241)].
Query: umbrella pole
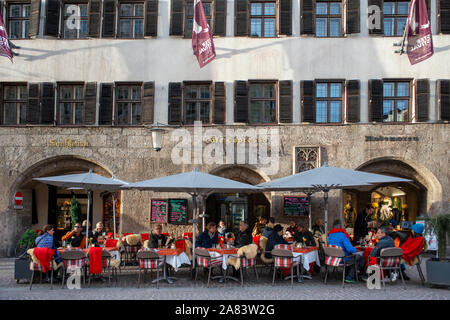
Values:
[(194, 221), (309, 209), (114, 213), (325, 199), (203, 213), (88, 214)]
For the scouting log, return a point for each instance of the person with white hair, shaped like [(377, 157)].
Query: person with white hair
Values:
[(244, 236)]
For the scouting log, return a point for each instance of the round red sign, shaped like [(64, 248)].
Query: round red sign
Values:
[(18, 198)]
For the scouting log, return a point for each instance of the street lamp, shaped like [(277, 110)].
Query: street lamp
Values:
[(157, 137)]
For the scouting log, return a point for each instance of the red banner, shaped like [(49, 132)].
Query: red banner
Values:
[(202, 40), (418, 33), (5, 50)]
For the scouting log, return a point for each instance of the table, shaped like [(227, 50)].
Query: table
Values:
[(309, 255), (174, 257), (225, 253)]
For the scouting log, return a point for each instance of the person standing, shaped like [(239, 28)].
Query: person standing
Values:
[(361, 229)]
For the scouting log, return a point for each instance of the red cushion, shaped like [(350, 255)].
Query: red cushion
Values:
[(110, 243), (145, 236), (166, 234)]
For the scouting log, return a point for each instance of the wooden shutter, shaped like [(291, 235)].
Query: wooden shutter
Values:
[(285, 90), (241, 101), (444, 16), (52, 18), (422, 99), (105, 111), (148, 102), (35, 9), (95, 12), (219, 103), (241, 18), (109, 19), (443, 94), (307, 97), (32, 115), (353, 21), (175, 103), (176, 18), (380, 4), (286, 17), (220, 17), (307, 17), (376, 100), (1, 104), (151, 18), (90, 103), (353, 100), (47, 103)]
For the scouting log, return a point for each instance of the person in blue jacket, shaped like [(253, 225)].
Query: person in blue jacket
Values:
[(209, 237), (338, 237)]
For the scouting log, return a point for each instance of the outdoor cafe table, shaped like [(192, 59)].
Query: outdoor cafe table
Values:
[(225, 253), (174, 257), (309, 255)]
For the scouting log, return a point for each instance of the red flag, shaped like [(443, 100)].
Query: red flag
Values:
[(418, 33), (5, 50), (202, 40)]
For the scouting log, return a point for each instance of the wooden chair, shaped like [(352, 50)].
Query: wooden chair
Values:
[(283, 258), (74, 258), (205, 260), (390, 259), (38, 267), (149, 259), (130, 252), (106, 267), (335, 257)]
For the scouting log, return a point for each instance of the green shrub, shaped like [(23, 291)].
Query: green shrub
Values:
[(440, 224), (28, 237)]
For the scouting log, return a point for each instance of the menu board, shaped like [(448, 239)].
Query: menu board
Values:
[(178, 211), (296, 206), (158, 210)]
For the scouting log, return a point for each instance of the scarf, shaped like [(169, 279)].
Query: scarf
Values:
[(95, 260), (336, 230)]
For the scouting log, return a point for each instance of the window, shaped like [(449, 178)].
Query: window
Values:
[(328, 102), (395, 17), (395, 101), (262, 19), (131, 20), (128, 105), (328, 19), (71, 28), (71, 104), (207, 8), (263, 107), (14, 104), (197, 103), (18, 20)]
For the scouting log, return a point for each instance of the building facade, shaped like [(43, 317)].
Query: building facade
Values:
[(322, 75)]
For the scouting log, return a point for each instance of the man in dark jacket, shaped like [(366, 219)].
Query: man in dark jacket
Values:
[(156, 237), (268, 229), (360, 230), (244, 236), (209, 237), (384, 241), (303, 235), (274, 239)]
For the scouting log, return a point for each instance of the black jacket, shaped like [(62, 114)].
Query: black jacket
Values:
[(153, 240), (298, 237), (386, 242), (243, 238), (205, 241), (272, 241), (361, 229)]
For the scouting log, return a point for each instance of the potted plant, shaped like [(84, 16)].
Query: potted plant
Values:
[(438, 269), (75, 211)]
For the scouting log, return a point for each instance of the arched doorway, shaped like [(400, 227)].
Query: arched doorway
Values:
[(234, 207), (400, 201)]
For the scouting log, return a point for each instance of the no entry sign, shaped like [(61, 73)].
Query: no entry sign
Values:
[(18, 200)]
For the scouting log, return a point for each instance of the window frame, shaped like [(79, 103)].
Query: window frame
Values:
[(328, 17), (395, 16), (72, 101), (128, 101), (275, 84), (395, 98), (132, 18), (63, 20), (186, 4), (329, 99), (8, 18), (4, 101), (262, 17), (198, 84)]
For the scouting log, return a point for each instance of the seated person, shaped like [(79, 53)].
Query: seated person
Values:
[(244, 236), (276, 237), (259, 226), (209, 237), (303, 235), (292, 229), (399, 237), (157, 235), (412, 247), (222, 229), (75, 237), (98, 231), (46, 240), (268, 229), (338, 237), (384, 241)]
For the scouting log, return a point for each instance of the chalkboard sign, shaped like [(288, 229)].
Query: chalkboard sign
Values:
[(178, 211), (296, 206), (158, 210)]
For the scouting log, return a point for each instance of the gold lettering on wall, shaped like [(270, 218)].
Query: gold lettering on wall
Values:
[(68, 143)]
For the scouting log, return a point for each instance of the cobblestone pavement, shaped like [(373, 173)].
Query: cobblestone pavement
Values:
[(186, 289)]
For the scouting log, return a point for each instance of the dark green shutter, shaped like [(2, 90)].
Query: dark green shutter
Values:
[(353, 21), (151, 18), (286, 17), (444, 16), (32, 114), (219, 103), (35, 9), (52, 18), (90, 103), (95, 11), (376, 100), (380, 4), (148, 105), (443, 88), (220, 18), (241, 18), (109, 19), (1, 104), (47, 103), (175, 103), (422, 99), (240, 101), (285, 90), (176, 18), (353, 100), (307, 98), (105, 111), (307, 17)]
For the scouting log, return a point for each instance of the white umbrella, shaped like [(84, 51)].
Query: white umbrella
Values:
[(327, 178), (195, 183), (89, 181)]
